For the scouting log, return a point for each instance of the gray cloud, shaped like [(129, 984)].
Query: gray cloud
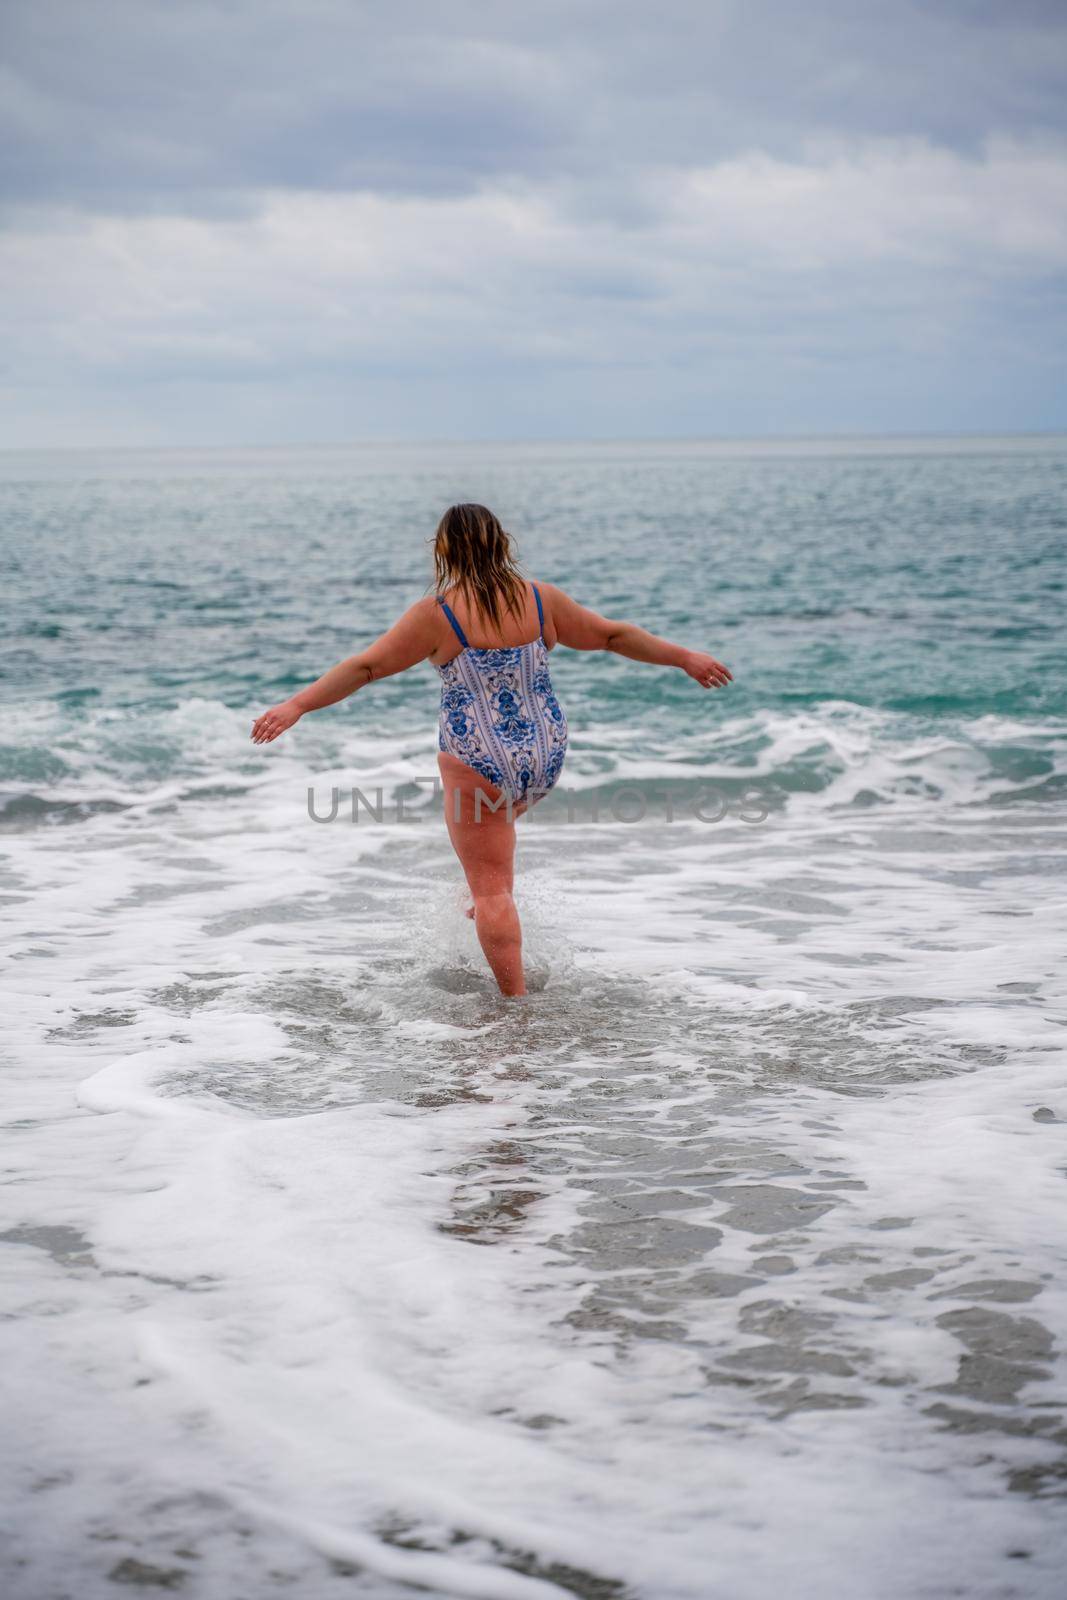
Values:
[(131, 104), (279, 221)]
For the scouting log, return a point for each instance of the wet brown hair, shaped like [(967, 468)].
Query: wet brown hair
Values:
[(472, 552)]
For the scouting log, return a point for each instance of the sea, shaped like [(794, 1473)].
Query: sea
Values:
[(726, 1264)]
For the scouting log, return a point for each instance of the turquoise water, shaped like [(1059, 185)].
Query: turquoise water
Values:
[(927, 585), (328, 1268)]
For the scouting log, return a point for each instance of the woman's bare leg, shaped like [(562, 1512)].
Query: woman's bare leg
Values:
[(486, 851)]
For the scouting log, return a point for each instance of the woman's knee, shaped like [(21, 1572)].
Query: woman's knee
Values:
[(493, 897)]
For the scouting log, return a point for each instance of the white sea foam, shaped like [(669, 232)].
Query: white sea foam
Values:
[(744, 1224)]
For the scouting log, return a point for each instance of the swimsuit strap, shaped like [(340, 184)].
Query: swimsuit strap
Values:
[(540, 608), (449, 613)]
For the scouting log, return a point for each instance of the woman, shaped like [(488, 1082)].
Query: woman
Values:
[(502, 736)]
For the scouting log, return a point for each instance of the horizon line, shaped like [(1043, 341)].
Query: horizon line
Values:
[(631, 439)]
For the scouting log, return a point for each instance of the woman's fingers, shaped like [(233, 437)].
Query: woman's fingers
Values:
[(716, 676), (708, 672), (273, 722)]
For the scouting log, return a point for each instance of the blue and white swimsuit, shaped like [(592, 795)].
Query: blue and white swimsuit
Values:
[(499, 713)]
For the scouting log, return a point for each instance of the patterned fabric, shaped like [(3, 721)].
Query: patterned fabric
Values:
[(499, 714)]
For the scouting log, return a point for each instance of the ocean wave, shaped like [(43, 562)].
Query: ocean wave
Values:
[(65, 768)]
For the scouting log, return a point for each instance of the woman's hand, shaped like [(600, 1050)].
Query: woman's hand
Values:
[(275, 721), (708, 672)]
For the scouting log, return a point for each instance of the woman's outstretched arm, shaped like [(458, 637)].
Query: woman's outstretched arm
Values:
[(581, 629), (407, 642)]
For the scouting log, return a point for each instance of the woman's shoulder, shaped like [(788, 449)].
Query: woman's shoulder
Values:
[(424, 608), (551, 593)]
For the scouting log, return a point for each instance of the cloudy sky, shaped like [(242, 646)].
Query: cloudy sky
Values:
[(289, 221)]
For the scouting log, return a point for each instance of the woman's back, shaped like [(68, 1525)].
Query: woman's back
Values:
[(510, 629), (499, 713)]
